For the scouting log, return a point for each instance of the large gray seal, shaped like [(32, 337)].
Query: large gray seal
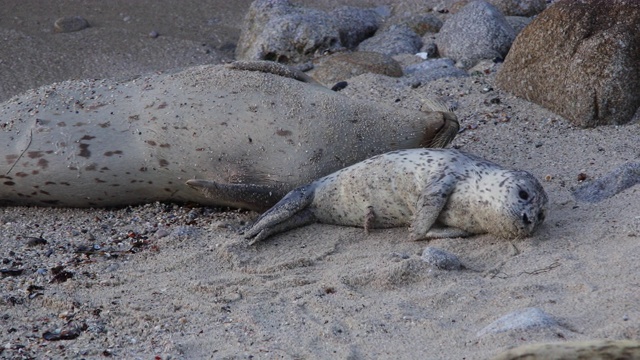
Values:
[(438, 192), (241, 133)]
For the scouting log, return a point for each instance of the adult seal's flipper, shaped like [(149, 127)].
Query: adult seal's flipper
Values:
[(246, 196), (271, 67), (439, 135)]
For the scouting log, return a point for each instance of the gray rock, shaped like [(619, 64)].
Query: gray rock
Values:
[(185, 231), (520, 7), (441, 259), (355, 24), (609, 185), (591, 349), (396, 40), (419, 23), (518, 23), (433, 69), (279, 31), (478, 31), (524, 319), (510, 7), (70, 24), (580, 60), (342, 66)]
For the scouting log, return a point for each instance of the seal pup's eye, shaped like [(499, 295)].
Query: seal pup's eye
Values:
[(523, 195)]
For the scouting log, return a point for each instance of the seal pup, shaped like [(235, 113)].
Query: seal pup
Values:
[(242, 134), (440, 193)]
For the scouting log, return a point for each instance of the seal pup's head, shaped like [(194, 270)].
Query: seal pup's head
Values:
[(523, 205)]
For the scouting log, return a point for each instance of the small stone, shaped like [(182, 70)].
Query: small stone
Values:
[(162, 233), (441, 259), (433, 69), (185, 231), (70, 24), (154, 34), (524, 319)]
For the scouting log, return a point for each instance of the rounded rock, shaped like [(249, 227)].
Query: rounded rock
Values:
[(70, 24), (342, 66), (441, 259)]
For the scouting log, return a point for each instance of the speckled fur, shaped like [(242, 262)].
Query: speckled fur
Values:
[(438, 192), (252, 135)]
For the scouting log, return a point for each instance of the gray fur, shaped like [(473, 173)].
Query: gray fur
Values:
[(251, 134), (438, 192)]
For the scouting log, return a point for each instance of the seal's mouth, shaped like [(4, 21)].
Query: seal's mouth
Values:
[(531, 222)]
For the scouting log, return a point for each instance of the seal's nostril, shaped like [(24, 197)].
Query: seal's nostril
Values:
[(525, 219)]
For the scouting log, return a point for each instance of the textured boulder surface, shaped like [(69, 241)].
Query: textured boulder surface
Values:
[(278, 30), (478, 31), (509, 7), (580, 60), (331, 69), (594, 349)]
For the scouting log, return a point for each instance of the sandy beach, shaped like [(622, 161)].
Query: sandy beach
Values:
[(177, 282)]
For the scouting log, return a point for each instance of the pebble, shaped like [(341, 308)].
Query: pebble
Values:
[(70, 24), (186, 231), (433, 69), (441, 259), (523, 319)]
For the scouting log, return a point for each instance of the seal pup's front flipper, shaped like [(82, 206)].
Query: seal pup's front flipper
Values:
[(289, 213), (432, 200), (246, 196), (272, 67)]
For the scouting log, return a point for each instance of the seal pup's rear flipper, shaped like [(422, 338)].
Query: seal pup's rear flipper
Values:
[(289, 213), (245, 196)]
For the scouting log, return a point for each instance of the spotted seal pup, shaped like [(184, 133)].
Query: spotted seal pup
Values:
[(438, 192), (245, 134)]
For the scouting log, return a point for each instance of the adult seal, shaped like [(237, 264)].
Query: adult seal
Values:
[(440, 193), (245, 133)]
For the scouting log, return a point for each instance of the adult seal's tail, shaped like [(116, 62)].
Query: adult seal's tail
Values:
[(246, 134)]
